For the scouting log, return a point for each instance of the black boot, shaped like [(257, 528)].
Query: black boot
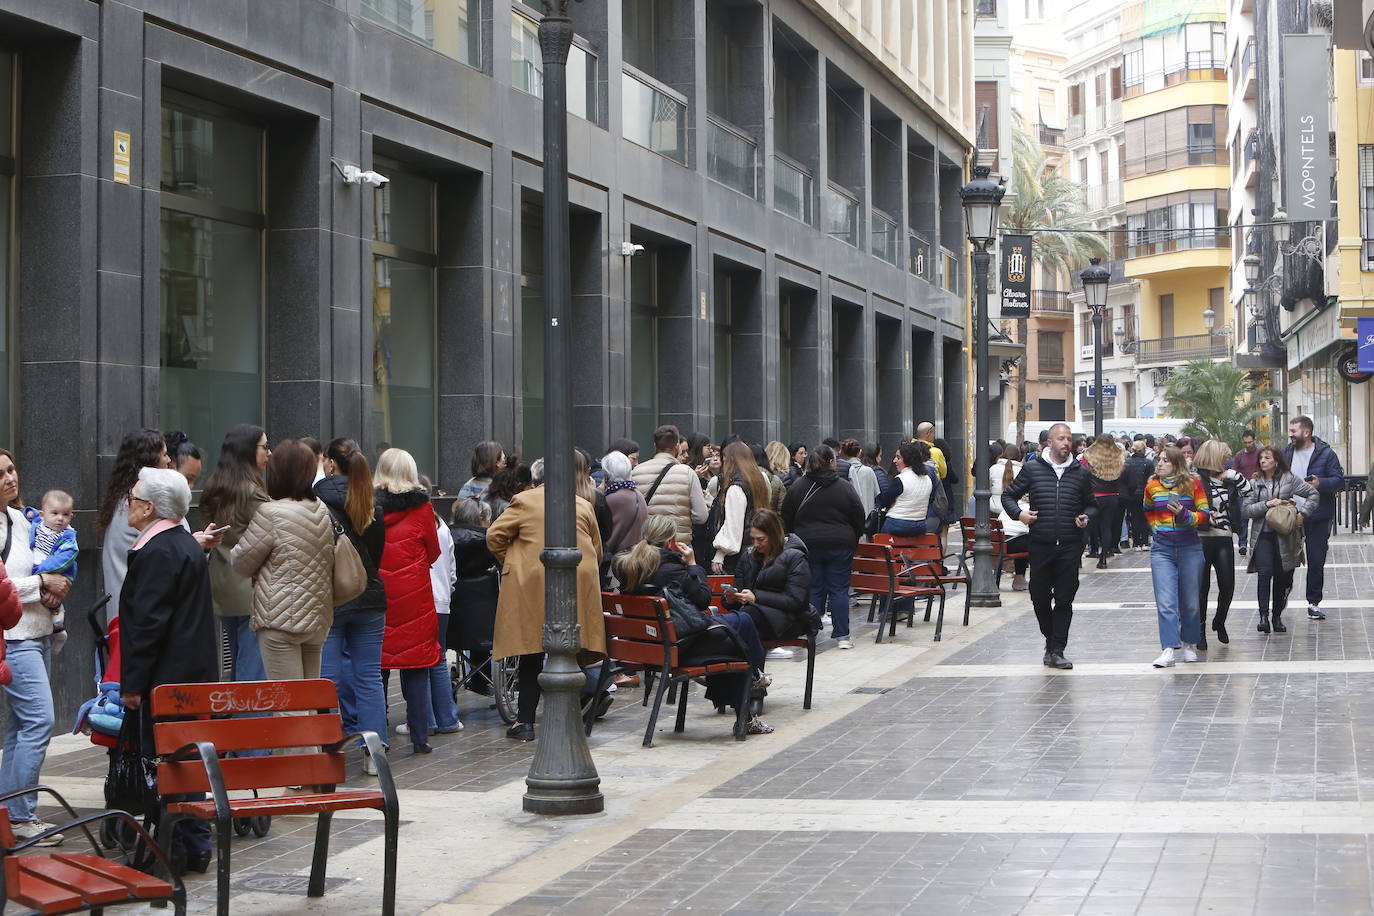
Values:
[(1264, 623), (1278, 623), (1202, 640), (1219, 627)]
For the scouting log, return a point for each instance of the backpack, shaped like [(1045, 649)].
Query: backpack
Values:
[(939, 498)]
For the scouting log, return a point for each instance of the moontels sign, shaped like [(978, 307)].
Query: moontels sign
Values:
[(1306, 127)]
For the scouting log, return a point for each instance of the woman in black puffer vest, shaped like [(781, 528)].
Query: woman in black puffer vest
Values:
[(773, 580)]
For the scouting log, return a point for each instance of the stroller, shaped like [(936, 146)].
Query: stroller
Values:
[(101, 719)]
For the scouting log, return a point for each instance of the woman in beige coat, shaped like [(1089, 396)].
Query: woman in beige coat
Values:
[(288, 551), (516, 539)]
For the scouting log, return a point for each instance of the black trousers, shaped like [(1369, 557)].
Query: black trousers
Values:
[(1273, 578), (1019, 544), (1135, 520), (1108, 525), (1316, 534), (1219, 557), (1053, 585), (528, 690)]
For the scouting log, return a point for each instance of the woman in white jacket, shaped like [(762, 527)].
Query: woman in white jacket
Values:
[(1017, 532)]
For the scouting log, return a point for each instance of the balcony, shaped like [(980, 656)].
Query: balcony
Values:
[(1251, 159), (794, 190), (1171, 350), (1248, 75), (730, 157), (1102, 196), (1075, 127), (1147, 242), (1051, 300), (947, 271), (922, 265), (1116, 268), (655, 117), (1051, 136), (842, 215), (883, 236)]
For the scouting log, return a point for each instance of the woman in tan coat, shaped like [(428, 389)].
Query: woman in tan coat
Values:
[(288, 552), (516, 539)]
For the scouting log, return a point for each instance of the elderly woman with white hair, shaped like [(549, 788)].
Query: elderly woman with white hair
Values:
[(626, 503), (166, 620)]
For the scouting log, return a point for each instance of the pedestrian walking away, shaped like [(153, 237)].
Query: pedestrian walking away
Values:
[(1276, 508), (1245, 463), (1176, 505), (1105, 461), (1226, 493), (1061, 507), (825, 512), (1139, 467), (1312, 460)]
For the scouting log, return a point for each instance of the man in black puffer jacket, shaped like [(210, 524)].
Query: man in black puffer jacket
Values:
[(824, 511), (1062, 505)]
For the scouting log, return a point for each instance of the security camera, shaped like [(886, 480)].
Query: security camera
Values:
[(630, 249), (352, 174), (373, 179)]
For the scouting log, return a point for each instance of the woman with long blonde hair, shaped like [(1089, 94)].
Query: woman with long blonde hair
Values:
[(740, 489), (1105, 461)]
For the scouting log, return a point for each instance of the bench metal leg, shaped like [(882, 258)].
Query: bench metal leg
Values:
[(680, 686), (320, 862), (810, 669), (223, 841), (393, 825), (968, 594), (658, 703), (648, 677), (742, 709), (672, 691), (939, 618)]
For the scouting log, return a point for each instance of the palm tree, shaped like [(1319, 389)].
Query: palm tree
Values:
[(1045, 199), (1217, 398)]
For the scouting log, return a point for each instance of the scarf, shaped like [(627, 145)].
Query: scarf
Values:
[(621, 485)]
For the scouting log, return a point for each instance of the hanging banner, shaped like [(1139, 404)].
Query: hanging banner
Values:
[(1306, 127), (1016, 276), (1364, 334)]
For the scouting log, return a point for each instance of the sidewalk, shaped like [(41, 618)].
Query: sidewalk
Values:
[(952, 777)]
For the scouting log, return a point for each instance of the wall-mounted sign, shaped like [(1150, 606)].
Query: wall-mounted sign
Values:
[(1364, 343), (1306, 126), (1108, 391), (1016, 276), (1348, 365), (123, 156)]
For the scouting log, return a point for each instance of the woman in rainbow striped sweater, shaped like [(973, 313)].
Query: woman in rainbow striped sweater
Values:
[(1176, 506)]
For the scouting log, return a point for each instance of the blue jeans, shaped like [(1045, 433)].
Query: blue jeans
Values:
[(748, 633), (28, 727), (1177, 573), (352, 659), (443, 708), (903, 528), (830, 571), (419, 707), (244, 654)]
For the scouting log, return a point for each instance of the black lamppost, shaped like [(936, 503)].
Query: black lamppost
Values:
[(982, 200), (1096, 279), (562, 778)]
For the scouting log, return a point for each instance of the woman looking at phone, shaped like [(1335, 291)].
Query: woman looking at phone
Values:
[(1176, 506)]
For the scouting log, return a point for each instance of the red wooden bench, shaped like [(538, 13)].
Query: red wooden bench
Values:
[(922, 562), (191, 750), (876, 574), (73, 882), (999, 539), (807, 642), (640, 634)]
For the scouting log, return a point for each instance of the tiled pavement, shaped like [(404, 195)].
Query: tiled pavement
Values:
[(959, 778)]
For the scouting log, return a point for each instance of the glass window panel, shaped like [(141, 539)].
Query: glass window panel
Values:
[(643, 347), (527, 62), (580, 68), (6, 103), (451, 27), (653, 118), (210, 156), (403, 359), (638, 28), (211, 282), (532, 318), (403, 209)]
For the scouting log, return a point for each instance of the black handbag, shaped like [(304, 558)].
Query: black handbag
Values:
[(131, 784), (688, 619)]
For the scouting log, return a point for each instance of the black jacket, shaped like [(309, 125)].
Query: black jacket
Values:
[(472, 608), (166, 622), (832, 517), (1135, 475), (1058, 500), (1326, 466), (782, 589), (333, 492), (471, 558), (690, 579)]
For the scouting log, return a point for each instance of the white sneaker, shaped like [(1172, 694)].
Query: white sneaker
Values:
[(369, 765), (780, 652), (846, 643), (31, 829), (825, 621), (403, 729), (1189, 652), (1165, 660)]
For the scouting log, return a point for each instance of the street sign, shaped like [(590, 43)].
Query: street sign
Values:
[(1016, 276), (1108, 391), (1364, 342), (123, 157)]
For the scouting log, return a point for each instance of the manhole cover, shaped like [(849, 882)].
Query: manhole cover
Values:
[(876, 690), (286, 884)]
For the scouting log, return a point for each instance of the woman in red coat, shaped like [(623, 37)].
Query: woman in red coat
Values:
[(411, 640)]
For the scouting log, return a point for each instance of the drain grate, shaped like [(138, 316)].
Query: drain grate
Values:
[(873, 690), (286, 884)]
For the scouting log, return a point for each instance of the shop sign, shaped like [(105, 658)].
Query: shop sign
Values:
[(1016, 276), (1306, 127), (1364, 342), (1348, 365)]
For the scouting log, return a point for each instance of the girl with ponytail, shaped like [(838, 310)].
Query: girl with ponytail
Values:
[(356, 633)]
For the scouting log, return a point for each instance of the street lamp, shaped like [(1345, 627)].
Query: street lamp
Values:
[(562, 777), (1096, 279), (982, 199), (1252, 270)]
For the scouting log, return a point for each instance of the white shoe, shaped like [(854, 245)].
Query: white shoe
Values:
[(29, 830), (369, 765), (1165, 660), (846, 643), (1189, 652), (403, 729), (780, 652)]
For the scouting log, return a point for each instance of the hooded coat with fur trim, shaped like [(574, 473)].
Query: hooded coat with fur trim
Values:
[(411, 639)]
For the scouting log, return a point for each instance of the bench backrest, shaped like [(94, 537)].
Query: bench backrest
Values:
[(231, 716), (918, 552), (872, 570), (639, 630), (717, 584)]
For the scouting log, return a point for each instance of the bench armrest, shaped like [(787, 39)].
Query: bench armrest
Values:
[(385, 781), (71, 812)]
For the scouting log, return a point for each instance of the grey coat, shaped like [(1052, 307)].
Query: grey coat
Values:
[(1286, 487)]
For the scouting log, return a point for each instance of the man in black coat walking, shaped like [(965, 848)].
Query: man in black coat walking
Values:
[(1061, 506)]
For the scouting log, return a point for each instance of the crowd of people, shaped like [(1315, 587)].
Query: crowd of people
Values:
[(1193, 504), (781, 522)]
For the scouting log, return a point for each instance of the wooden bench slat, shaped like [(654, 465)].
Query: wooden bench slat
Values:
[(28, 889), (252, 773), (140, 884), (253, 733), (243, 696), (91, 887), (280, 805), (638, 653)]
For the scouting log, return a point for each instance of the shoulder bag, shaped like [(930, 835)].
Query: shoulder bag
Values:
[(939, 499), (350, 576)]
